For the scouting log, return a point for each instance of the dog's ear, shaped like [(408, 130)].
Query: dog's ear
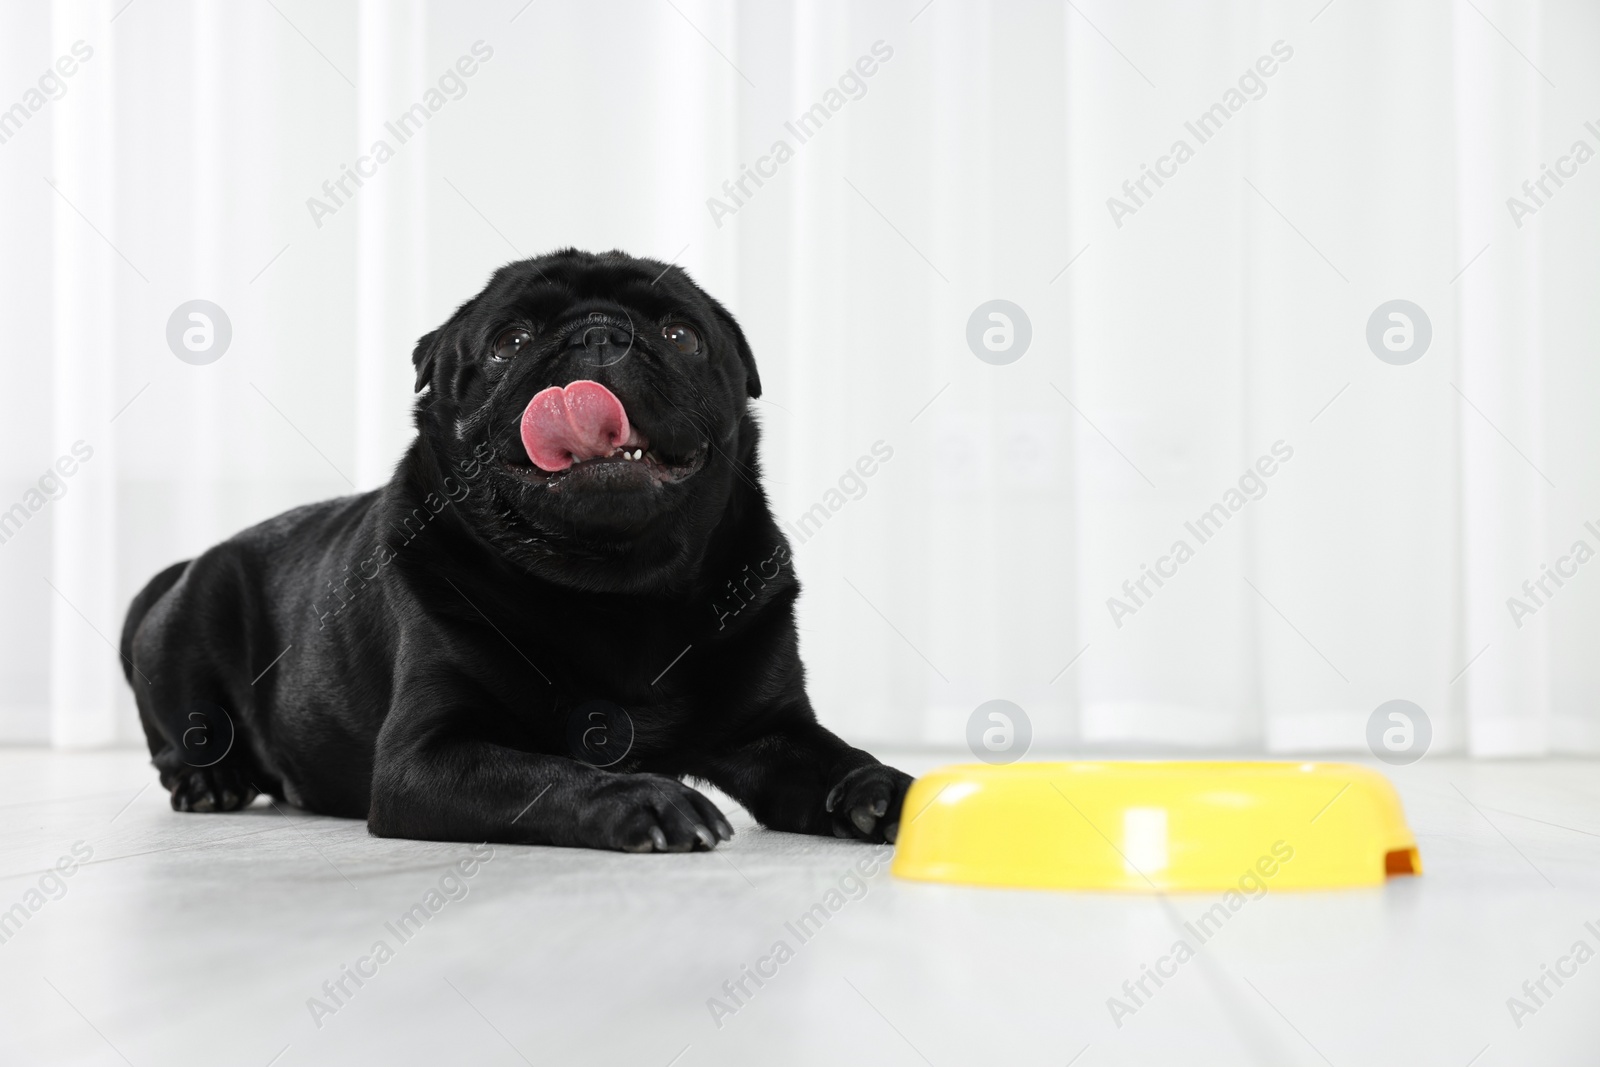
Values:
[(426, 355), (752, 376), (422, 358)]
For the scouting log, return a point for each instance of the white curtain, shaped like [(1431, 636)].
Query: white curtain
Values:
[(939, 156)]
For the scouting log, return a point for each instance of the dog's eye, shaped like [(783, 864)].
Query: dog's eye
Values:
[(682, 337), (508, 344)]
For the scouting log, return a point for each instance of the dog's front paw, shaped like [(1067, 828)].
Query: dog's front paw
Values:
[(209, 789), (865, 804), (651, 813)]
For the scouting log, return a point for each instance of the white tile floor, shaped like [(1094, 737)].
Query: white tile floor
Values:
[(198, 939)]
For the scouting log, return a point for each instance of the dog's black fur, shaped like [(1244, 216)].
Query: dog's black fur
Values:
[(482, 651)]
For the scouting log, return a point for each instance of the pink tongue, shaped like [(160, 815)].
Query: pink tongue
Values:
[(561, 427)]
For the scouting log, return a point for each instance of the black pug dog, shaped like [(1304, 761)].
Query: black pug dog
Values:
[(571, 595)]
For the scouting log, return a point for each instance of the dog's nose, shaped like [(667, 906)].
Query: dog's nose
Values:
[(601, 340)]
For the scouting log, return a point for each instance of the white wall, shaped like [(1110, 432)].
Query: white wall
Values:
[(1226, 313)]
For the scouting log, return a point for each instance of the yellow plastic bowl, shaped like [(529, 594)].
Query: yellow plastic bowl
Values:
[(1154, 827)]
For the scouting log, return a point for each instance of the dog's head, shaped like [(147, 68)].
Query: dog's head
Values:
[(598, 405)]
